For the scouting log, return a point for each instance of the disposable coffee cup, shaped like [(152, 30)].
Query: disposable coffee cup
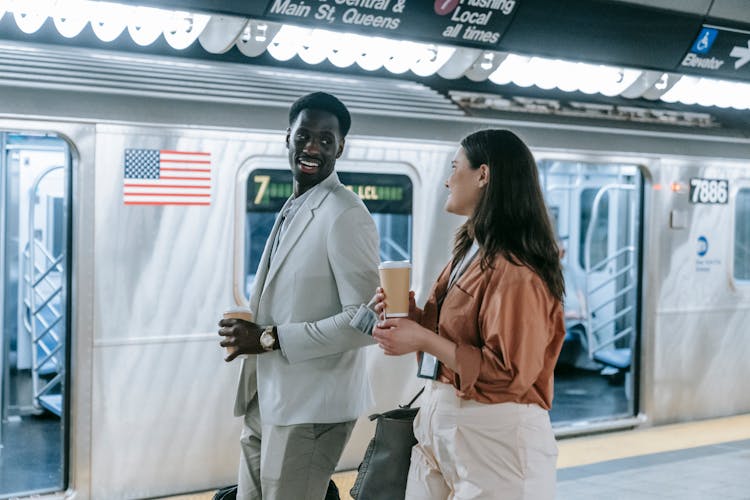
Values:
[(394, 278), (237, 312)]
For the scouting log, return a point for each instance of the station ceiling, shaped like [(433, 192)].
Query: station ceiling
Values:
[(649, 34), (674, 51)]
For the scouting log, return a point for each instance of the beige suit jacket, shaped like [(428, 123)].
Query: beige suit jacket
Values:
[(324, 267)]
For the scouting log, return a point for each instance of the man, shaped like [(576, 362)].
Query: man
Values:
[(319, 264)]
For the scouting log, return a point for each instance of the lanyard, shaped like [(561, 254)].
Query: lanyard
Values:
[(456, 274)]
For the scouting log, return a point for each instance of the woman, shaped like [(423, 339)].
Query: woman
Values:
[(483, 429)]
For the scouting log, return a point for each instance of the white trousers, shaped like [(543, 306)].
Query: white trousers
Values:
[(470, 450)]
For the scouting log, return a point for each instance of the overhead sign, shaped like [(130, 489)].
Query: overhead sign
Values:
[(474, 23), (719, 53), (477, 23)]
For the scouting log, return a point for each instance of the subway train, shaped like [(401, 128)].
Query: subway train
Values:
[(113, 382)]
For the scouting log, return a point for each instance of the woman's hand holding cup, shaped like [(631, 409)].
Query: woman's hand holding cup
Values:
[(379, 305)]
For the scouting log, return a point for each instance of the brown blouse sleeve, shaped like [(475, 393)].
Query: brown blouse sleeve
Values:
[(515, 329)]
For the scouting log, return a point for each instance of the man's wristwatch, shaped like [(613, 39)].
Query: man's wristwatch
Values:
[(268, 338)]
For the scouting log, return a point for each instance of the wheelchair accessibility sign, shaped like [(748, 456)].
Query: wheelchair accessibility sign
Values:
[(704, 41)]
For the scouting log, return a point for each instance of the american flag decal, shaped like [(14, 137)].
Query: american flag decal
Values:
[(162, 177)]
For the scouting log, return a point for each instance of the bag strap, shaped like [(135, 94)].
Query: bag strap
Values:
[(408, 405), (402, 407)]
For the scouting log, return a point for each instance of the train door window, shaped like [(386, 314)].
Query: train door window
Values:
[(388, 197), (34, 216), (596, 210), (742, 235)]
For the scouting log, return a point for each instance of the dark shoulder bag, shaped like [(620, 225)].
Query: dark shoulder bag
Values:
[(385, 467)]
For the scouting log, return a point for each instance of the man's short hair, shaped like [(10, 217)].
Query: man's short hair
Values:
[(323, 102)]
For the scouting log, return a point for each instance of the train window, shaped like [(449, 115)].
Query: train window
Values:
[(742, 235), (599, 241), (388, 197)]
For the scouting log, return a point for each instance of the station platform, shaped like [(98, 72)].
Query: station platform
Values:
[(701, 460)]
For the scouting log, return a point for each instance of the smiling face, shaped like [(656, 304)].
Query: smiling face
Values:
[(314, 142), (465, 185)]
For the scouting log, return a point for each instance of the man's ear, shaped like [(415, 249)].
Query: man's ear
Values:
[(341, 149), (288, 135), (484, 175)]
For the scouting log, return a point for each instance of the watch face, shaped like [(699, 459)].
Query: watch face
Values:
[(267, 340)]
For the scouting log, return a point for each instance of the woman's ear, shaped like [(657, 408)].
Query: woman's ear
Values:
[(484, 175)]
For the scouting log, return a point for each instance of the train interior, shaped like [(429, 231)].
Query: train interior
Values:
[(33, 205)]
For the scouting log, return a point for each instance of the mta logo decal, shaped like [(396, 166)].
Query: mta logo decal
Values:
[(702, 246)]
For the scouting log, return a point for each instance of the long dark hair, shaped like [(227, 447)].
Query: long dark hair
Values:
[(511, 217)]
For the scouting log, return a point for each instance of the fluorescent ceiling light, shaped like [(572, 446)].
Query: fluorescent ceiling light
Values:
[(345, 53), (513, 67), (71, 19), (403, 56), (373, 55), (29, 16), (146, 25), (692, 90), (108, 20), (318, 44), (287, 42)]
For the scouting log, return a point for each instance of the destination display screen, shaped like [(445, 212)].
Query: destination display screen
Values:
[(268, 190)]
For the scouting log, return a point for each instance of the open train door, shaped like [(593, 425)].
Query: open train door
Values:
[(596, 210), (35, 224)]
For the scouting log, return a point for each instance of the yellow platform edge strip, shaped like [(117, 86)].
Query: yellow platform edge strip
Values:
[(632, 443)]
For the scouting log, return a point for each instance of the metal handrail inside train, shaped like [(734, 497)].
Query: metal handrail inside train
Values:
[(38, 284), (616, 286)]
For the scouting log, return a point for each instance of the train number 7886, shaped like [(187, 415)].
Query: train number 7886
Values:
[(709, 190)]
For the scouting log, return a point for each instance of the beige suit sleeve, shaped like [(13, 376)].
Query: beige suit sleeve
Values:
[(515, 330), (353, 255)]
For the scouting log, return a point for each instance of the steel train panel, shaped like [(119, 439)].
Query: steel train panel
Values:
[(162, 418), (694, 349), (700, 365)]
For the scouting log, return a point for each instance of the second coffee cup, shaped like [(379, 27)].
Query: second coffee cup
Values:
[(394, 278)]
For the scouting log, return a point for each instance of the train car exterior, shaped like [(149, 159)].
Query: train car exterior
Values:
[(146, 405)]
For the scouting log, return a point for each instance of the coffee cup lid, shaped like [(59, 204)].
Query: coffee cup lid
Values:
[(394, 264)]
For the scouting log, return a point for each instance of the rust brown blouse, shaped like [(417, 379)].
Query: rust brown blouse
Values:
[(508, 332)]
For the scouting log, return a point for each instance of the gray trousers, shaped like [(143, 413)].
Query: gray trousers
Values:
[(288, 461)]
